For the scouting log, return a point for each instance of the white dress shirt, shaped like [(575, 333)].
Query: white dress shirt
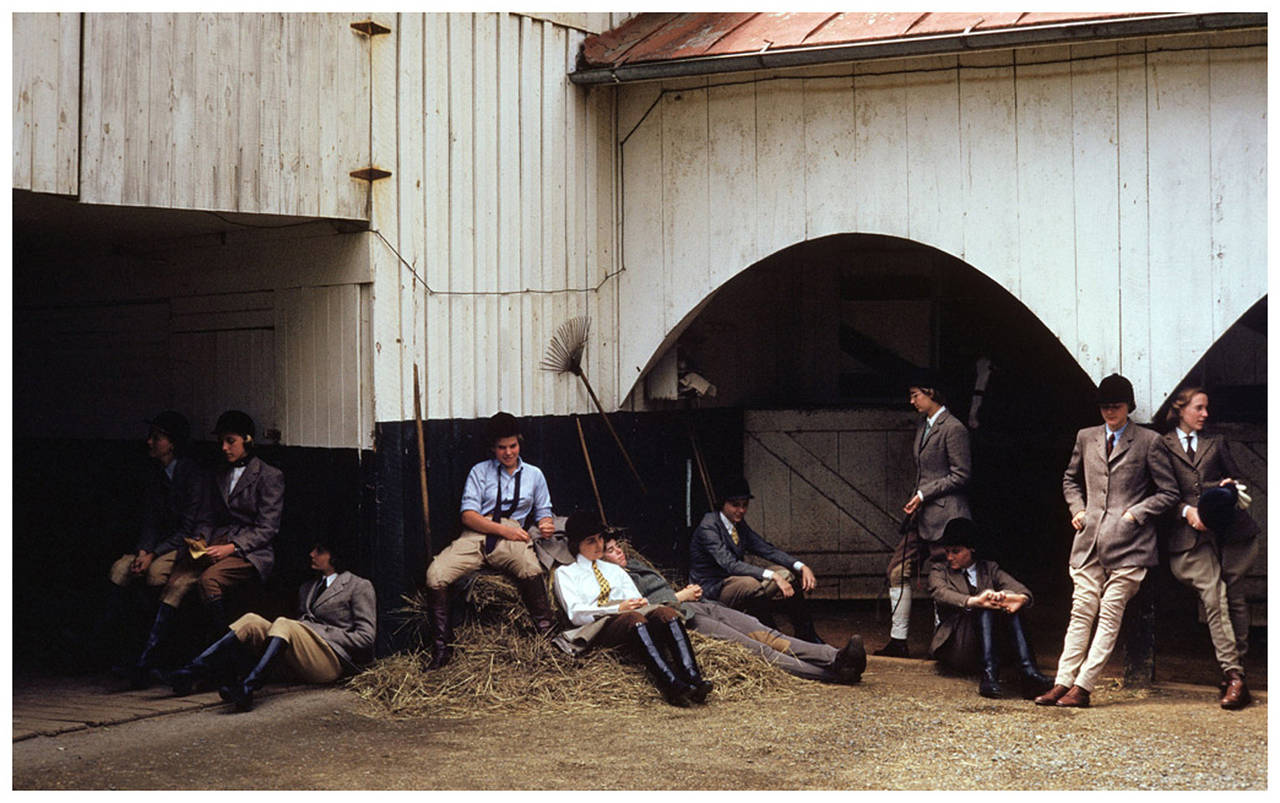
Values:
[(578, 589)]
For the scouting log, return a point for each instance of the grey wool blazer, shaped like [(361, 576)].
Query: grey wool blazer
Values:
[(248, 516), (1136, 479), (943, 469), (1213, 464), (345, 616)]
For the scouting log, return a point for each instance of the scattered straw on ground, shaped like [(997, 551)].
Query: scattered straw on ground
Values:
[(500, 665)]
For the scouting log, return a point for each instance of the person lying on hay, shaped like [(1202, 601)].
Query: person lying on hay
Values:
[(607, 610), (801, 658)]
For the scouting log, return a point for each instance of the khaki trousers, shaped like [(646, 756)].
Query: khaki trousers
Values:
[(307, 658), (1220, 584), (466, 554), (157, 574), (1100, 595), (739, 589), (909, 558), (213, 578)]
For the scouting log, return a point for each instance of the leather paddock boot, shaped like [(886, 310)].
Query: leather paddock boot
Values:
[(1076, 697), (851, 661), (1236, 695), (674, 690), (896, 648), (685, 665), (440, 632), (534, 593), (1053, 695)]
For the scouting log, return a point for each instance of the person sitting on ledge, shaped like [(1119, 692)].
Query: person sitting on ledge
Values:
[(332, 637), (607, 610), (800, 658), (977, 602)]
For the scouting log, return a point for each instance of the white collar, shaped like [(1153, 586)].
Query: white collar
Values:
[(933, 418)]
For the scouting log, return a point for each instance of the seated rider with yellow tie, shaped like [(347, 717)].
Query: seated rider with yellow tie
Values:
[(716, 563)]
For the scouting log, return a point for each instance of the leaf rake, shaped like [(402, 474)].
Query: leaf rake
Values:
[(564, 356)]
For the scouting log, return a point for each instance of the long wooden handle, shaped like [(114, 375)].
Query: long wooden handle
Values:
[(702, 469), (590, 471), (422, 458), (616, 439)]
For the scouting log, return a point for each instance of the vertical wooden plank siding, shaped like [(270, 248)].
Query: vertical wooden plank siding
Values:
[(1179, 182), (1089, 182), (220, 111), (46, 102), (1094, 134)]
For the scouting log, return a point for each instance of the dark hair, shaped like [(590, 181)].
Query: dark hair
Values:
[(337, 552), (502, 425), (582, 524), (1180, 401)]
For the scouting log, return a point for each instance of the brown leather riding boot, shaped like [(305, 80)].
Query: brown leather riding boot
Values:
[(1237, 694), (440, 633), (534, 593)]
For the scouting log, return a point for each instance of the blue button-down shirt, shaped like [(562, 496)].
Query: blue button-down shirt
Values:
[(483, 483)]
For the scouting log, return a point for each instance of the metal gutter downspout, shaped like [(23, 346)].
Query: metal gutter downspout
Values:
[(944, 44)]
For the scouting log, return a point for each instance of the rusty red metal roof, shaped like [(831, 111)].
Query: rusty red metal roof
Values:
[(653, 37)]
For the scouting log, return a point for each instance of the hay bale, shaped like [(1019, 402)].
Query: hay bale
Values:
[(501, 665)]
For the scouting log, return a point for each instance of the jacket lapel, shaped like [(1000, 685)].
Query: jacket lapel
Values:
[(339, 580), (1179, 448), (247, 479), (923, 438), (1122, 443), (1203, 447)]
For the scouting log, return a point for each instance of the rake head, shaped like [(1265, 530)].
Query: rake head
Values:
[(564, 353)]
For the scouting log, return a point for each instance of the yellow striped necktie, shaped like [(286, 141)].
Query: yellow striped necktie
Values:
[(604, 585), (733, 533)]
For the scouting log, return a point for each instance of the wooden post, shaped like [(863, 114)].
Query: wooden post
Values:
[(1138, 632), (422, 459), (590, 471)]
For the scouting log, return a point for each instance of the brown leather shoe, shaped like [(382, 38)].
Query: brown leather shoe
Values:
[(1237, 694), (1053, 695), (1075, 698)]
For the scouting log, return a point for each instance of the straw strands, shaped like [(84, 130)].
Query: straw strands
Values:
[(500, 665)]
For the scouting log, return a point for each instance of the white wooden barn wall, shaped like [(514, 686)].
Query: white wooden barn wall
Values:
[(498, 222), (46, 102), (1108, 187), (273, 323), (265, 113)]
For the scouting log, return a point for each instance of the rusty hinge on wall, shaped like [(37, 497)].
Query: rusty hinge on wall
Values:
[(370, 173), (370, 28)]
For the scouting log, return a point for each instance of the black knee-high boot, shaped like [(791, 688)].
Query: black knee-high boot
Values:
[(990, 684), (674, 690), (1033, 683), (140, 674), (218, 661), (685, 664), (241, 694), (216, 613)]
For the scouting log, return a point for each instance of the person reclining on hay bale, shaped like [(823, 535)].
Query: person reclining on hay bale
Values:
[(708, 617), (607, 610), (500, 494), (332, 637), (716, 553), (977, 601)]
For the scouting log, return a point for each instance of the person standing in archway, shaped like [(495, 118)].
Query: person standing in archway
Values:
[(1116, 485), (943, 469), (1211, 551)]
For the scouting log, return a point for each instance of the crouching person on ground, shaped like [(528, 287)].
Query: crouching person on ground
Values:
[(800, 658), (608, 611), (332, 637), (978, 605)]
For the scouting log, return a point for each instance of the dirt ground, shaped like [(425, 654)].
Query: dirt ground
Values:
[(893, 731)]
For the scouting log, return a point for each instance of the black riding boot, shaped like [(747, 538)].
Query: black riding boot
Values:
[(534, 593), (801, 619), (1033, 683), (440, 632), (685, 665), (140, 674), (674, 690), (218, 660), (990, 684), (216, 613), (241, 694)]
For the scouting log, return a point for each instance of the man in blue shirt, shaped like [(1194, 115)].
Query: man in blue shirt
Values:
[(501, 497)]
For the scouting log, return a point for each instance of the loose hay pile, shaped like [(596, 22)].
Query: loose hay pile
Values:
[(500, 665)]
